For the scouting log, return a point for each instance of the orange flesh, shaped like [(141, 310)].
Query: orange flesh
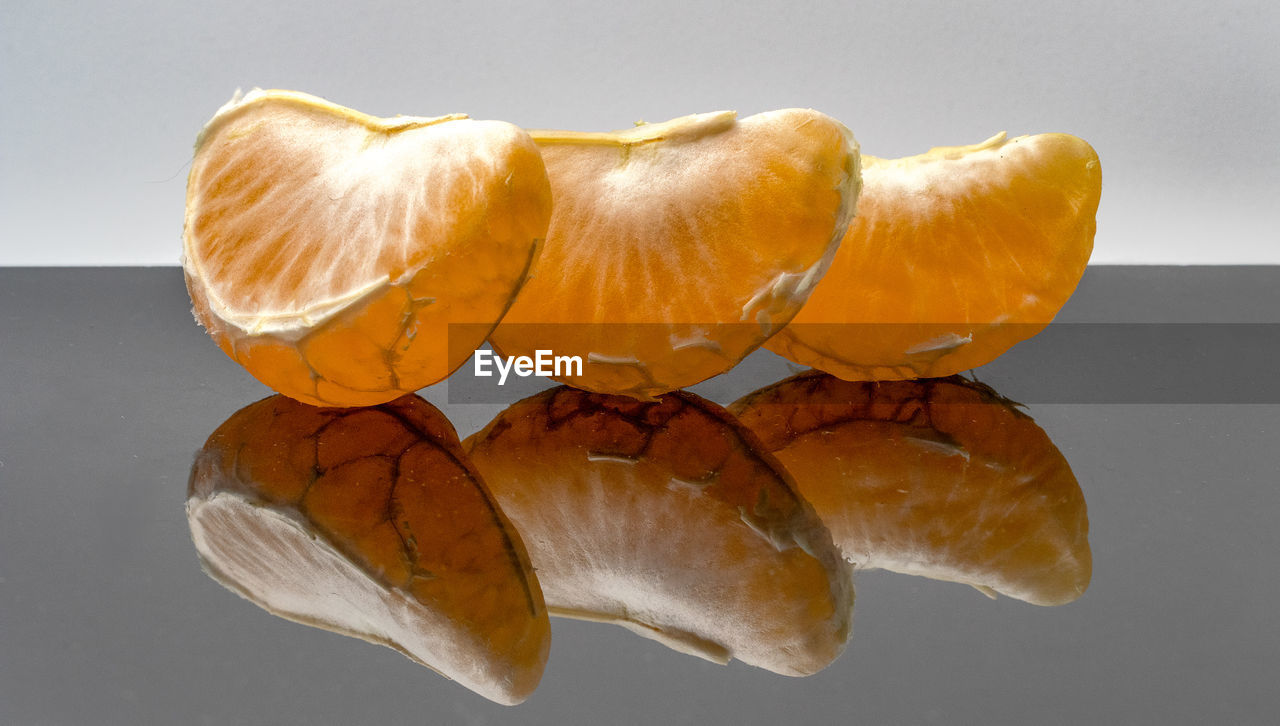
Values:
[(675, 249), (954, 256), (356, 242)]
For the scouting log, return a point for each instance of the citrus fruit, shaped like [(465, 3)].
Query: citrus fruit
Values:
[(666, 518), (955, 255), (677, 248), (936, 477), (328, 251), (372, 523)]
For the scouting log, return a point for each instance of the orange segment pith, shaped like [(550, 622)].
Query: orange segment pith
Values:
[(371, 523), (675, 249), (356, 241), (667, 519), (955, 255), (935, 477)]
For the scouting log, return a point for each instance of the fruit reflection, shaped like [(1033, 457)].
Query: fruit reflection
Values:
[(936, 477), (371, 523), (667, 519)]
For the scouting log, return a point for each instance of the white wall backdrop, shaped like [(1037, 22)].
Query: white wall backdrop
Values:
[(102, 101)]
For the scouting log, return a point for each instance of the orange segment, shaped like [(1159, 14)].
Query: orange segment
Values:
[(675, 249), (372, 523), (941, 478), (955, 256), (667, 519), (345, 245)]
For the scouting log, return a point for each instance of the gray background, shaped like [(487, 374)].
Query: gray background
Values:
[(102, 101)]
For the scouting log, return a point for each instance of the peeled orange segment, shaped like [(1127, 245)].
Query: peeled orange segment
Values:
[(329, 252), (940, 478), (371, 523), (955, 256), (677, 248), (667, 519)]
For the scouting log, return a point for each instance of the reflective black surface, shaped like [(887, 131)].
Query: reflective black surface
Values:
[(108, 388)]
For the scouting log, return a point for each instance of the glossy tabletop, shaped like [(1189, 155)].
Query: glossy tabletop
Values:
[(1154, 384)]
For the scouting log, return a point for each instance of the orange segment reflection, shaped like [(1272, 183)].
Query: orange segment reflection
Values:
[(372, 523), (935, 477), (667, 518)]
